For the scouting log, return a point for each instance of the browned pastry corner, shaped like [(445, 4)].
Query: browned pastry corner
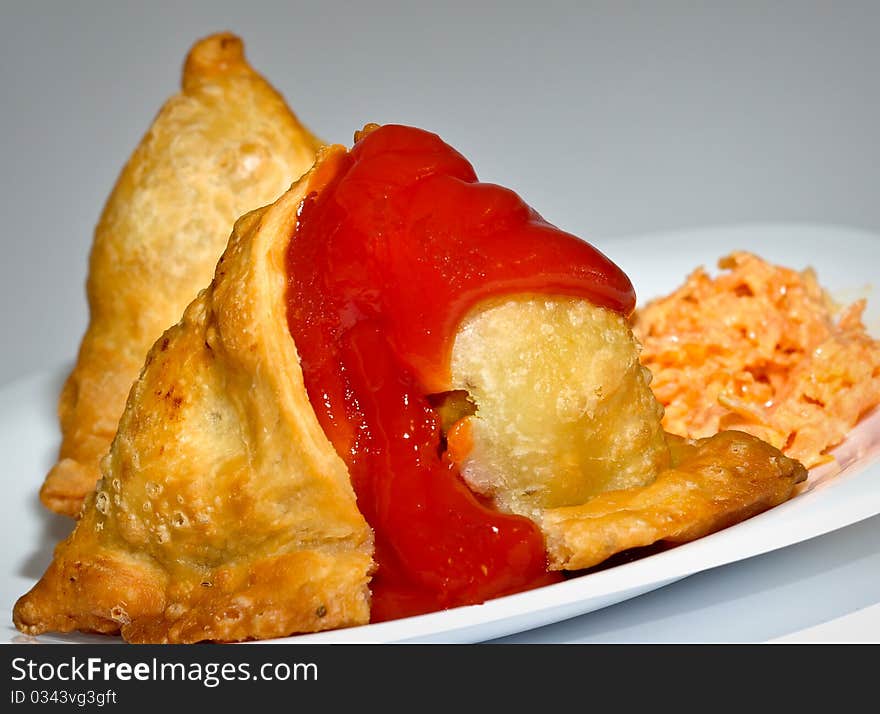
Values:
[(713, 483), (227, 143), (224, 513)]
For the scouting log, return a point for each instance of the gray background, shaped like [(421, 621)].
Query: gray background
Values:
[(609, 118)]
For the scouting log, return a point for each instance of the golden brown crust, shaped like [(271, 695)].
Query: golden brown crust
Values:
[(715, 482), (223, 512), (227, 143)]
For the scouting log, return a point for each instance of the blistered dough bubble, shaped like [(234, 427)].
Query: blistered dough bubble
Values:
[(563, 408)]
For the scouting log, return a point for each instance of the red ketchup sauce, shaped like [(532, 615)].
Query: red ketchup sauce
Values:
[(385, 261)]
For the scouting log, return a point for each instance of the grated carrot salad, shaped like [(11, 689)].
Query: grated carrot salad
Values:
[(763, 349)]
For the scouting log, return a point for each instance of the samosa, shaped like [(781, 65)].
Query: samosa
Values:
[(225, 144)]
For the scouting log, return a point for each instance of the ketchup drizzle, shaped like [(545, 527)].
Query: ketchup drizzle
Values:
[(385, 262)]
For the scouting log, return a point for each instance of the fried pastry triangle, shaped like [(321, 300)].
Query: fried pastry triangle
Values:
[(227, 143), (224, 513), (713, 483)]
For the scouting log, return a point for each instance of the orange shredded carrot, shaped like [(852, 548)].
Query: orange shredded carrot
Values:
[(763, 349)]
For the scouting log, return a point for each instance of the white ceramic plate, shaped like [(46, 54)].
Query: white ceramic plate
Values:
[(834, 498)]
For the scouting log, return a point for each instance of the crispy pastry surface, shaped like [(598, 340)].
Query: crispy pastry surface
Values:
[(226, 144), (713, 483), (223, 512)]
